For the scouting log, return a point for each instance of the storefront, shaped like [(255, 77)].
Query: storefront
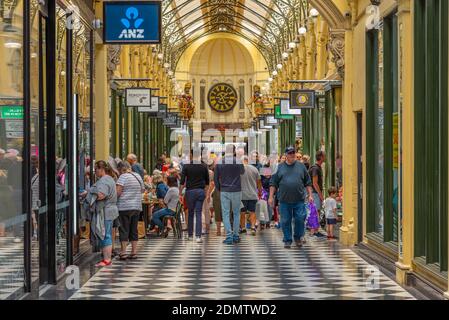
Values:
[(137, 132), (46, 131), (382, 136), (431, 140)]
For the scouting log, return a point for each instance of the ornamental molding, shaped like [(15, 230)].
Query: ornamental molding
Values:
[(113, 59), (337, 47)]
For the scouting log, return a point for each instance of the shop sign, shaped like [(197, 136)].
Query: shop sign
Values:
[(128, 22), (396, 140), (285, 108), (138, 97), (162, 111), (155, 104), (170, 120), (14, 125), (11, 112), (301, 99), (279, 115), (14, 135), (271, 120)]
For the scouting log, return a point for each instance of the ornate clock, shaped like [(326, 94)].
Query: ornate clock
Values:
[(222, 97)]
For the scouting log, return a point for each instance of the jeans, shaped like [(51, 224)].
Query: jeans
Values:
[(107, 241), (158, 215), (317, 201), (231, 201), (194, 200), (289, 211)]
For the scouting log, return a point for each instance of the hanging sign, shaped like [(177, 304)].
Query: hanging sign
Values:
[(170, 120), (162, 111), (302, 99), (11, 112), (271, 120), (138, 97), (128, 22), (286, 110), (155, 103), (279, 115)]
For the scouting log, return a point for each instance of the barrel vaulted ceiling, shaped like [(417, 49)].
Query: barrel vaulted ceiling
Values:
[(268, 24)]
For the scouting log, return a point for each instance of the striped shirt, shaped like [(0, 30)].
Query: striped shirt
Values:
[(131, 196)]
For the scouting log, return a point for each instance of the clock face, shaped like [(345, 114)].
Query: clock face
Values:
[(222, 97)]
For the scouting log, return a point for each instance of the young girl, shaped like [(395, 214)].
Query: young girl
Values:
[(330, 209), (313, 222)]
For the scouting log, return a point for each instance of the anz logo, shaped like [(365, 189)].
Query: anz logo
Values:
[(132, 24)]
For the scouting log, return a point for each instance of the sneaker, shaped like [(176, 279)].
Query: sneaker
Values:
[(17, 240), (236, 240), (242, 231), (199, 240), (298, 243), (319, 235), (253, 232), (287, 245), (228, 241), (189, 238)]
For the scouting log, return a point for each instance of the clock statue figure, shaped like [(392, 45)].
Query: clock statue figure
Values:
[(185, 104), (258, 101)]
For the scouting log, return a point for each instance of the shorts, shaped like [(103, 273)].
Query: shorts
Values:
[(129, 220), (107, 241), (116, 222), (249, 206), (331, 221)]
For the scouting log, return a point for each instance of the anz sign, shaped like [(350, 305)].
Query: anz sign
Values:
[(128, 22)]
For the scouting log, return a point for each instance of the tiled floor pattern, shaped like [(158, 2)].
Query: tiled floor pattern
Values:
[(257, 268)]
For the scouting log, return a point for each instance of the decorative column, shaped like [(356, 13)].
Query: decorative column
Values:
[(406, 139), (310, 50), (302, 58), (341, 45), (101, 101), (322, 55)]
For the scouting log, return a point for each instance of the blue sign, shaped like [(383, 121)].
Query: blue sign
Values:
[(132, 22)]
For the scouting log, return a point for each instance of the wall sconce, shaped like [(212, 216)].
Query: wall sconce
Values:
[(160, 56), (314, 13), (285, 55), (279, 66), (302, 30)]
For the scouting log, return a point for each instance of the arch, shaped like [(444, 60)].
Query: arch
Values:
[(332, 12)]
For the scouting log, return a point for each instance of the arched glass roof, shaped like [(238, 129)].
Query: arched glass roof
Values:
[(268, 24)]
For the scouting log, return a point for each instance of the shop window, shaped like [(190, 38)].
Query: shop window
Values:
[(12, 217), (382, 123), (431, 133)]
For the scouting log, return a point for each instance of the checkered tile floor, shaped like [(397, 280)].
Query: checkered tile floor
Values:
[(257, 268), (12, 264)]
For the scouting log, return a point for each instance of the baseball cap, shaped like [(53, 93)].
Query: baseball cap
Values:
[(290, 150)]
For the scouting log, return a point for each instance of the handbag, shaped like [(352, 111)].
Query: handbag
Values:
[(262, 211)]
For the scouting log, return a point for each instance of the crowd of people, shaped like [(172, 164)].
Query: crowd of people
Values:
[(241, 194)]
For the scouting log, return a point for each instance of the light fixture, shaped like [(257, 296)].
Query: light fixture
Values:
[(314, 12), (222, 27), (275, 73), (285, 55), (302, 30), (11, 44), (166, 65), (170, 73), (160, 56), (279, 66), (62, 73), (292, 45), (270, 79), (34, 55)]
